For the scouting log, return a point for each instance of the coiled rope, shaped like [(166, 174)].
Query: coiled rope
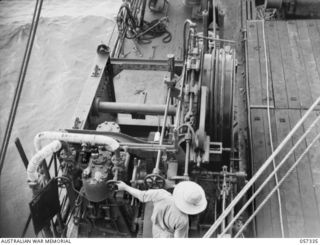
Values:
[(127, 23)]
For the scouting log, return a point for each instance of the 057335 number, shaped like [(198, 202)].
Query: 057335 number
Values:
[(309, 240)]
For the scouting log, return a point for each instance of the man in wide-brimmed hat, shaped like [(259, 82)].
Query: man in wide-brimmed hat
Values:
[(170, 213)]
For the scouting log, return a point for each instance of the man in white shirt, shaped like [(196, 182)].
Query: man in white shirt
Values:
[(170, 213)]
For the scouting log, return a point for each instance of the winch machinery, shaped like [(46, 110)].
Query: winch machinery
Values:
[(195, 141)]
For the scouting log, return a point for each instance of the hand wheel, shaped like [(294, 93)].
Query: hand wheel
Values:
[(154, 181), (112, 184)]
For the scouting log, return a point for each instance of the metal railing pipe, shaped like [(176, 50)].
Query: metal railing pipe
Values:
[(278, 185), (259, 172), (271, 175)]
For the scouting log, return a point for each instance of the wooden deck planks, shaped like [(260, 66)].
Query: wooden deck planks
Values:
[(309, 171), (262, 65), (276, 66), (255, 89), (303, 85), (273, 203), (294, 60), (264, 228), (308, 202), (311, 71), (288, 66), (290, 187), (314, 36)]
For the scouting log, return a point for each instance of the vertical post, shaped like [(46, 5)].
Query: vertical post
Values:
[(21, 152), (143, 10), (204, 5), (55, 164), (186, 163), (171, 62), (205, 30)]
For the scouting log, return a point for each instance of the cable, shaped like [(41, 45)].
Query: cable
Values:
[(281, 181), (270, 129), (18, 90), (70, 182), (128, 25), (126, 19)]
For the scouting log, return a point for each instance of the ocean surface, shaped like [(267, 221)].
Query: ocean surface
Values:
[(63, 54)]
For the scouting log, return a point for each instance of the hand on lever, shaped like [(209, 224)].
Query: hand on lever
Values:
[(121, 186)]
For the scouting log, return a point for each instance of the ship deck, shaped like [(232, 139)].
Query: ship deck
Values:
[(293, 56)]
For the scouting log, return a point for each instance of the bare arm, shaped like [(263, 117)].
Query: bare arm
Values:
[(143, 196), (132, 191)]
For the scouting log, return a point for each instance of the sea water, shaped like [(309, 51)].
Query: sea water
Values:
[(62, 57)]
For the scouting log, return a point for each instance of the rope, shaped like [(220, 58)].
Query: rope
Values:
[(278, 185), (18, 90), (243, 191), (273, 172), (270, 129), (129, 26)]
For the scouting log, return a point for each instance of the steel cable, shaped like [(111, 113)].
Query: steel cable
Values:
[(270, 129), (271, 174), (18, 90), (278, 185)]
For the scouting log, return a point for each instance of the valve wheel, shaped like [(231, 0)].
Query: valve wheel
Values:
[(112, 184), (154, 181)]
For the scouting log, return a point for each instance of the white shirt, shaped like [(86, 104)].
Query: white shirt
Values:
[(167, 220)]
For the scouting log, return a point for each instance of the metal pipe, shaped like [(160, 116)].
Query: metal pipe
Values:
[(223, 207), (216, 39), (272, 173), (184, 48), (21, 152), (260, 171), (41, 155), (280, 182), (156, 168), (144, 3), (186, 164), (245, 39), (214, 21), (129, 108), (205, 15), (178, 111), (277, 4), (109, 142)]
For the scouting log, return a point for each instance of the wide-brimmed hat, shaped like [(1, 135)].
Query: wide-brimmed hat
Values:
[(189, 197)]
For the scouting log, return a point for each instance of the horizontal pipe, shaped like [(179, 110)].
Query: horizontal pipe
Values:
[(277, 4), (144, 109), (148, 147), (110, 143)]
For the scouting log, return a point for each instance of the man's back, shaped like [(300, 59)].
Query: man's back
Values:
[(167, 219)]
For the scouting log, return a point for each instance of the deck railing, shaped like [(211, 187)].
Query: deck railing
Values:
[(213, 229)]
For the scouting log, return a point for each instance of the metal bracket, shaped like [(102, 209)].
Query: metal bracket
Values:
[(215, 148), (96, 72)]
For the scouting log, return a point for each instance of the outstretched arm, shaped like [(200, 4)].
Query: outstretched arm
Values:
[(143, 196), (132, 191)]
